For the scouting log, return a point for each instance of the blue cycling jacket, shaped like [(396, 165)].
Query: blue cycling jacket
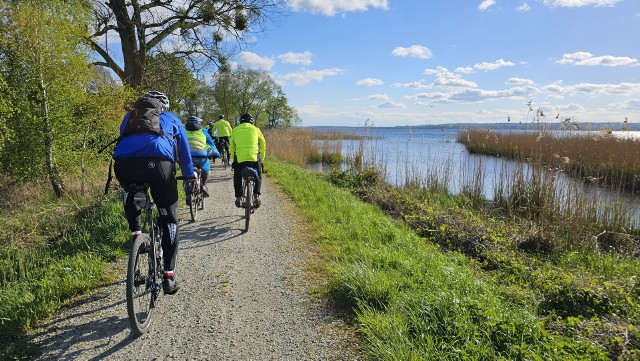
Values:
[(139, 145)]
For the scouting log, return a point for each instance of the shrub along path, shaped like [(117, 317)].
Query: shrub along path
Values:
[(243, 296)]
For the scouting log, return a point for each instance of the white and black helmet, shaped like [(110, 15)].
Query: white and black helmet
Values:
[(160, 96)]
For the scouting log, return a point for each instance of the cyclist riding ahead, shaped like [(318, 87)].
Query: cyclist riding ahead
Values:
[(248, 148), (149, 135), (201, 146), (224, 132)]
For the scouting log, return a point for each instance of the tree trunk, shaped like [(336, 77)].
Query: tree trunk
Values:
[(133, 49), (82, 167), (52, 172)]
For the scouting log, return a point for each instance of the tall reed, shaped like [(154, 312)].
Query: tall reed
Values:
[(596, 157)]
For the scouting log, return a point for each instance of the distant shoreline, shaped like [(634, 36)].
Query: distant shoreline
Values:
[(595, 126)]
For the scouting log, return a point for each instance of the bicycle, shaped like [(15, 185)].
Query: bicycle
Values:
[(197, 197), (223, 148), (145, 267), (249, 175)]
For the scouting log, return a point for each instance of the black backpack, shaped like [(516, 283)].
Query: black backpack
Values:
[(144, 117)]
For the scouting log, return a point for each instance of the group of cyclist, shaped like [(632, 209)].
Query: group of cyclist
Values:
[(150, 158)]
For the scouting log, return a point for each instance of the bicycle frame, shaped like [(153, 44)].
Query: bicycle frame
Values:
[(143, 276), (151, 226)]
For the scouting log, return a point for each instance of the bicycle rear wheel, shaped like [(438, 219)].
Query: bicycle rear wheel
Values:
[(196, 197), (248, 200), (202, 200), (140, 287)]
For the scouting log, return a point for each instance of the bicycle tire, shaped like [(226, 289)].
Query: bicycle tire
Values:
[(225, 158), (202, 200), (193, 207), (195, 196), (140, 291), (247, 204)]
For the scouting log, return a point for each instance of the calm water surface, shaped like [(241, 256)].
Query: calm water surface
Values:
[(413, 154)]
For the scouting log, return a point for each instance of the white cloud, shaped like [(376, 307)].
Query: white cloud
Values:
[(255, 61), (520, 81), (370, 82), (464, 70), (390, 105), (454, 83), (416, 51), (413, 85), (486, 4), (332, 7), (296, 58), (484, 66), (579, 3), (378, 97), (446, 78), (429, 96), (492, 66), (305, 77), (523, 8), (622, 89), (631, 104), (587, 59)]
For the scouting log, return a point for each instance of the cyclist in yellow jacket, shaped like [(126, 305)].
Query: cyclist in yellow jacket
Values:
[(248, 148), (201, 147), (223, 129)]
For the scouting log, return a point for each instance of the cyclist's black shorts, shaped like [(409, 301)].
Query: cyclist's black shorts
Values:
[(158, 172), (221, 140)]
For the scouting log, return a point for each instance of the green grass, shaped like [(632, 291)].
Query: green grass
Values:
[(410, 300), (37, 281), (578, 293)]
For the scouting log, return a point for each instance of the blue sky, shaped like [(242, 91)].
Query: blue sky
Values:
[(411, 62)]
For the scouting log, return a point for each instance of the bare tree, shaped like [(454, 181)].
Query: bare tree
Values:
[(205, 32)]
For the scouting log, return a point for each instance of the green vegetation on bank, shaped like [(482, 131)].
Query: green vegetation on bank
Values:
[(413, 301), (38, 279)]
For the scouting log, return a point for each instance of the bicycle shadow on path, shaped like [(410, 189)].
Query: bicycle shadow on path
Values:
[(207, 232), (104, 308)]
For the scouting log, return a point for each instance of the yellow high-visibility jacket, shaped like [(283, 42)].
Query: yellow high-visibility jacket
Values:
[(247, 143), (223, 127)]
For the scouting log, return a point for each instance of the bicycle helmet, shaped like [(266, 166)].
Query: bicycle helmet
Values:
[(220, 116), (194, 119), (193, 123), (246, 118), (160, 96)]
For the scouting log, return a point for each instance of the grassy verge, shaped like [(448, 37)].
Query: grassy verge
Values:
[(38, 278), (410, 300)]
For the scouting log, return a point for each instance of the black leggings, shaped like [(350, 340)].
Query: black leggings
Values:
[(160, 174), (237, 177)]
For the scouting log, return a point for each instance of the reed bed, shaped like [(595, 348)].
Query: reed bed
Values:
[(596, 157), (303, 146)]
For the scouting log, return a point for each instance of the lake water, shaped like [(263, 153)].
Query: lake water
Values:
[(413, 153)]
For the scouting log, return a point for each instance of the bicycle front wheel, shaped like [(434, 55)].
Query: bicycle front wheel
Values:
[(248, 199), (140, 297)]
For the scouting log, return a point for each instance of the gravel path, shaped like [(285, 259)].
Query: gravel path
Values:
[(243, 296)]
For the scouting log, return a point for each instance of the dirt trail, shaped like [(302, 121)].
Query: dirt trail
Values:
[(242, 297)]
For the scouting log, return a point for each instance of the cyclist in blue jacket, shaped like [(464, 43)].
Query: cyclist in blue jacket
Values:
[(145, 157)]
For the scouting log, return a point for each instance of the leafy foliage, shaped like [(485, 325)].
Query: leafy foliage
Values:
[(250, 91)]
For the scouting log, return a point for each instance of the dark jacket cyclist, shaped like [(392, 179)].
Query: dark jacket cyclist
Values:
[(223, 130), (248, 148), (149, 158)]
